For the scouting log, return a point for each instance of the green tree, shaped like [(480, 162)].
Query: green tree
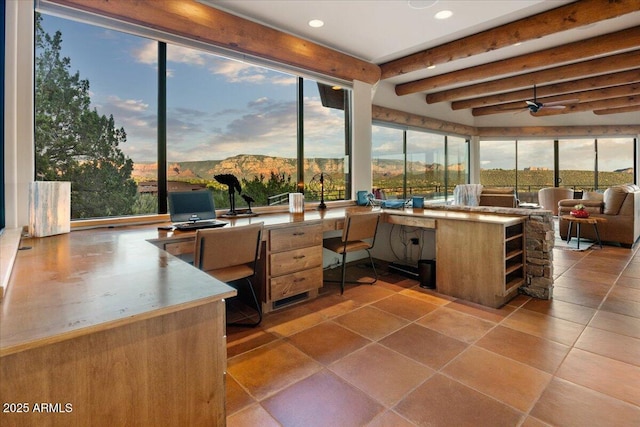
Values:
[(73, 142)]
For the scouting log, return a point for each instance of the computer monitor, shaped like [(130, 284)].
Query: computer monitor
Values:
[(185, 206)]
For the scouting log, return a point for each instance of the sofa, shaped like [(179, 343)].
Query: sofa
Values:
[(618, 205), (498, 196)]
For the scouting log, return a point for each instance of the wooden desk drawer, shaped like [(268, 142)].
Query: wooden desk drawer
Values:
[(296, 283), (296, 260), (295, 237), (179, 248)]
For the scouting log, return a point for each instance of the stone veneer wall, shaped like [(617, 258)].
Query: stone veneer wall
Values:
[(540, 238)]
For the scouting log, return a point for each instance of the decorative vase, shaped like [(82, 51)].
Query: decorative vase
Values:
[(579, 213)]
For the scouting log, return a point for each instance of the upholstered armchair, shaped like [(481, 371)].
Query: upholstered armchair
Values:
[(499, 196), (549, 197)]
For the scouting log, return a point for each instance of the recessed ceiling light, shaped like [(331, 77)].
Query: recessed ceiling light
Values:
[(431, 67), (444, 14), (421, 4), (316, 23)]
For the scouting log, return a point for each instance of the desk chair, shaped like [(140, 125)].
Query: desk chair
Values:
[(231, 254), (359, 229)]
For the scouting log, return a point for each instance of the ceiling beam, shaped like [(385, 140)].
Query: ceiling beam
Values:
[(618, 62), (195, 21), (558, 131), (629, 109), (408, 119), (569, 98), (623, 101), (563, 18), (604, 80), (571, 52)]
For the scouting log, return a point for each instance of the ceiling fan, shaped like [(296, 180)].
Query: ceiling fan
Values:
[(535, 106)]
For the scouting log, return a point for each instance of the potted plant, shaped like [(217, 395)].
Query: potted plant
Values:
[(579, 211)]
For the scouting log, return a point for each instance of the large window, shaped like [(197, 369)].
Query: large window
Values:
[(126, 119), (411, 162), (583, 164)]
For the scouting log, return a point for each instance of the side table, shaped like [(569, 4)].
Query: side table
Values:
[(578, 221)]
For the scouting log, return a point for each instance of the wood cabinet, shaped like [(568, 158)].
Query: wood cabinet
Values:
[(480, 261), (294, 267)]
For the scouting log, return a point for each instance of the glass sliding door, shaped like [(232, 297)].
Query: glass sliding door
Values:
[(615, 162), (498, 163), (577, 164), (535, 168), (457, 170)]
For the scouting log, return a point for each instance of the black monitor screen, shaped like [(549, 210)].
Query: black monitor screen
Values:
[(191, 205)]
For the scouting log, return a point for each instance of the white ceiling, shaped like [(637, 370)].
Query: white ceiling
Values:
[(378, 31)]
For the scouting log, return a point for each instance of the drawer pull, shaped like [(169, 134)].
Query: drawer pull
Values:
[(299, 233), (298, 257), (301, 279)]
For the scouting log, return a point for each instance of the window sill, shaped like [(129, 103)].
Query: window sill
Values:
[(9, 243)]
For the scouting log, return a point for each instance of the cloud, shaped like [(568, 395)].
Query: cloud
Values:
[(130, 105)]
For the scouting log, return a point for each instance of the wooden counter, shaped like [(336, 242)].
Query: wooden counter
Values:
[(106, 329)]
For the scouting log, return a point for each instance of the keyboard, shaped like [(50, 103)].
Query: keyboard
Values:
[(187, 226)]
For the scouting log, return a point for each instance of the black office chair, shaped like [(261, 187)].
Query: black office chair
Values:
[(231, 254), (358, 234)]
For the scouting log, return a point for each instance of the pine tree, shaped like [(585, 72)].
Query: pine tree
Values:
[(73, 142)]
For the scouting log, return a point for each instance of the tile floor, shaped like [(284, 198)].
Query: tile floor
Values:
[(395, 354)]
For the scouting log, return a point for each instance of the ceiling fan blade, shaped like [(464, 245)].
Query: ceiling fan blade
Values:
[(532, 103), (554, 107)]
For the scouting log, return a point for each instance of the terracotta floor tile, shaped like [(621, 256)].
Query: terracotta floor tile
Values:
[(567, 404), (633, 271), (386, 375), (332, 305), (371, 322), (456, 324), (578, 283), (544, 326), (270, 368), (291, 320), (237, 398), (629, 282), (604, 277), (617, 303), (404, 306), (534, 422), (390, 419), (328, 342), (608, 376), (366, 294), (424, 345), (241, 339), (429, 296), (322, 400), (590, 295), (625, 293), (562, 310), (619, 323), (441, 401), (528, 349), (609, 344), (253, 416), (482, 312), (504, 379), (519, 300), (603, 265)]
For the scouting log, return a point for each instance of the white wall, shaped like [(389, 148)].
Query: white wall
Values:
[(18, 133)]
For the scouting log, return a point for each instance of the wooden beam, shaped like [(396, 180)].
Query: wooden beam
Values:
[(602, 104), (558, 131), (408, 119), (195, 21), (613, 79), (618, 62), (629, 109), (563, 18), (571, 98), (571, 52)]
